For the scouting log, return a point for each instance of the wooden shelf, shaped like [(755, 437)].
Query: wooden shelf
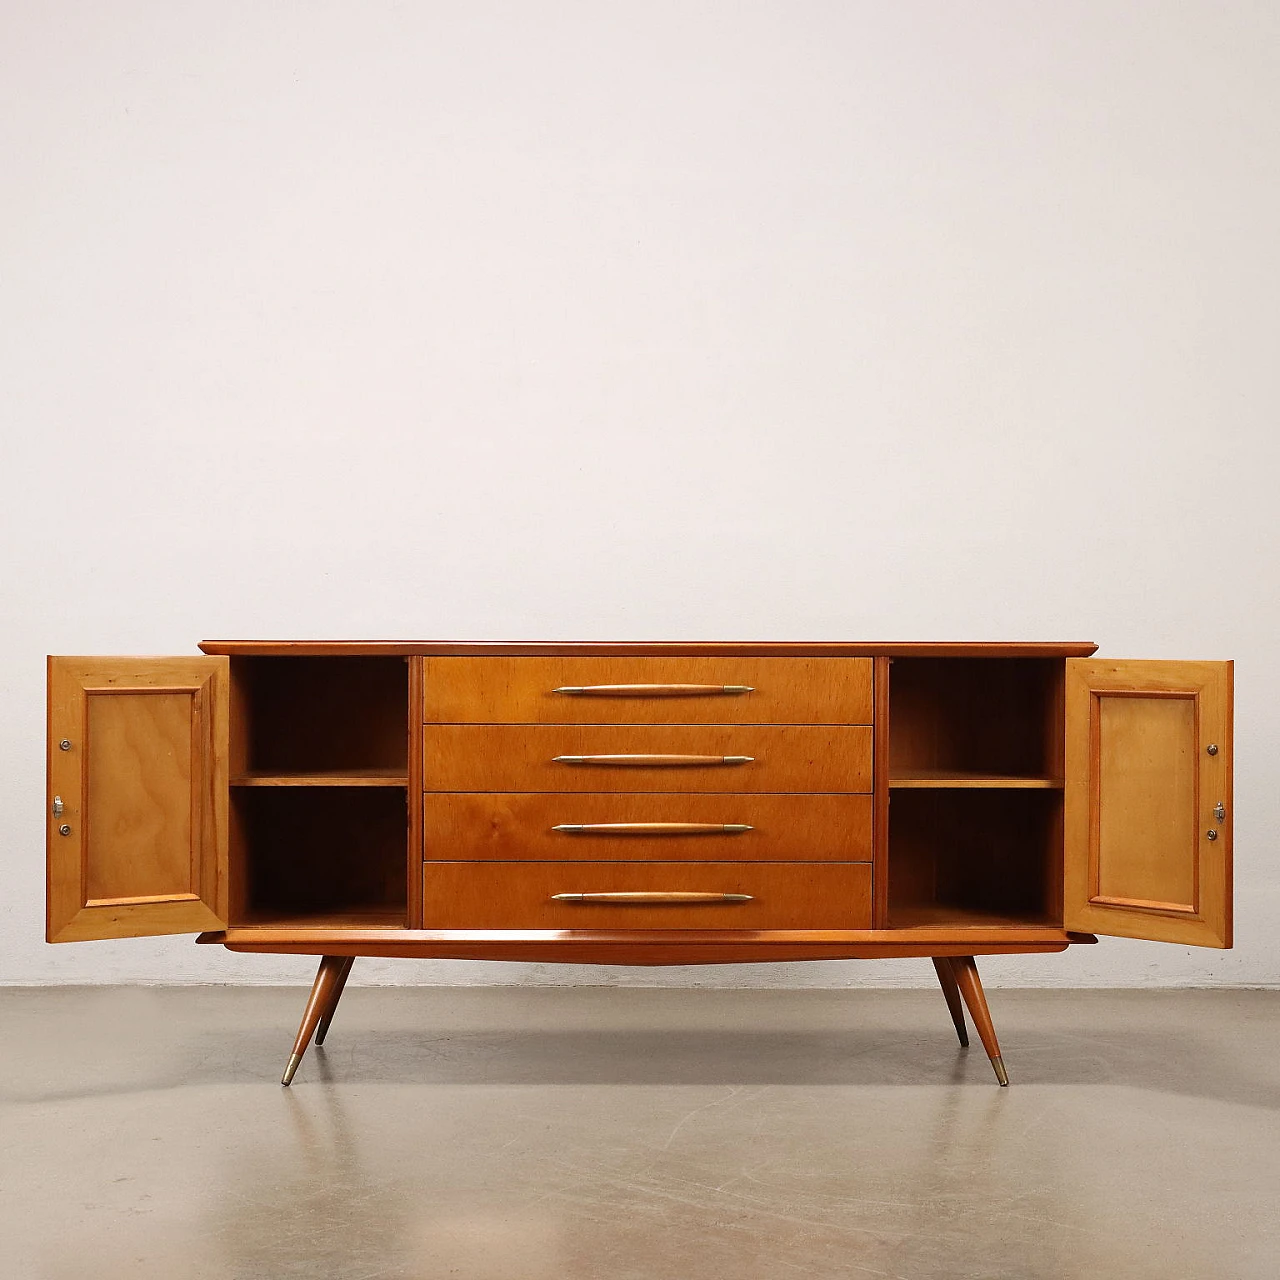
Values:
[(341, 918), (943, 915), (346, 778), (953, 779)]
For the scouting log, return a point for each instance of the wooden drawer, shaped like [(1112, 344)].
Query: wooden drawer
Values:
[(523, 690), (523, 827), (520, 895), (502, 757)]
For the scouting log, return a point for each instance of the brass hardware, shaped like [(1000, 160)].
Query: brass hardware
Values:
[(64, 830), (1001, 1074), (1212, 748), (651, 690), (58, 806), (657, 899), (65, 745), (294, 1059), (1212, 833), (652, 828), (1220, 811), (654, 761)]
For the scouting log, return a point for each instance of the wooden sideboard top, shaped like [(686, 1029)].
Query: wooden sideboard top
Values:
[(646, 648)]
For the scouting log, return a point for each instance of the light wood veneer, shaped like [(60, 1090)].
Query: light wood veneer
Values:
[(503, 690), (521, 895), (502, 757), (510, 827)]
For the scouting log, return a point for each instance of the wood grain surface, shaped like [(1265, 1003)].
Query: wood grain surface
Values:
[(522, 690), (519, 895), (523, 758), (1140, 800), (521, 827), (656, 648), (143, 787)]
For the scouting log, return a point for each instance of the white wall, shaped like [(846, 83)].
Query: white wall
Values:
[(643, 320)]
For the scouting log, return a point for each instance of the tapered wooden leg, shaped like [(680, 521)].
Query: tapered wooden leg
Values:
[(322, 995), (950, 991), (966, 974), (327, 1017)]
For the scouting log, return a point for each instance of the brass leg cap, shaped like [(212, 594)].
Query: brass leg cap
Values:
[(294, 1059), (1001, 1074)]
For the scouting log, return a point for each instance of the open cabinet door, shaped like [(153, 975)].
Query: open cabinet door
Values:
[(137, 805), (1148, 800)]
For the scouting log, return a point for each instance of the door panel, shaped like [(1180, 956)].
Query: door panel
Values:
[(137, 817), (1148, 800)]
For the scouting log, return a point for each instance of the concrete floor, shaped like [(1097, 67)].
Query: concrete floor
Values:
[(532, 1134)]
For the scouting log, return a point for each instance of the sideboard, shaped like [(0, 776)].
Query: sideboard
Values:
[(640, 804)]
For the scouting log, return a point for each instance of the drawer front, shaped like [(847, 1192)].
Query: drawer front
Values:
[(503, 757), (521, 895), (525, 827), (672, 690)]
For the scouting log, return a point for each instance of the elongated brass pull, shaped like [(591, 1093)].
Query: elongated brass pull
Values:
[(652, 690), (652, 828), (671, 897), (649, 762)]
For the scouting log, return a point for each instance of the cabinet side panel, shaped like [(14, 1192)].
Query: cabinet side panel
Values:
[(414, 851), (880, 784)]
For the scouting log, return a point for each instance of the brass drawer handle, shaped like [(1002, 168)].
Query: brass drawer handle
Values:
[(653, 828), (659, 761), (670, 897), (651, 690)]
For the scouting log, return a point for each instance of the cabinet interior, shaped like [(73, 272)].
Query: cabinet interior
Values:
[(975, 783), (336, 716), (321, 855), (319, 789)]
